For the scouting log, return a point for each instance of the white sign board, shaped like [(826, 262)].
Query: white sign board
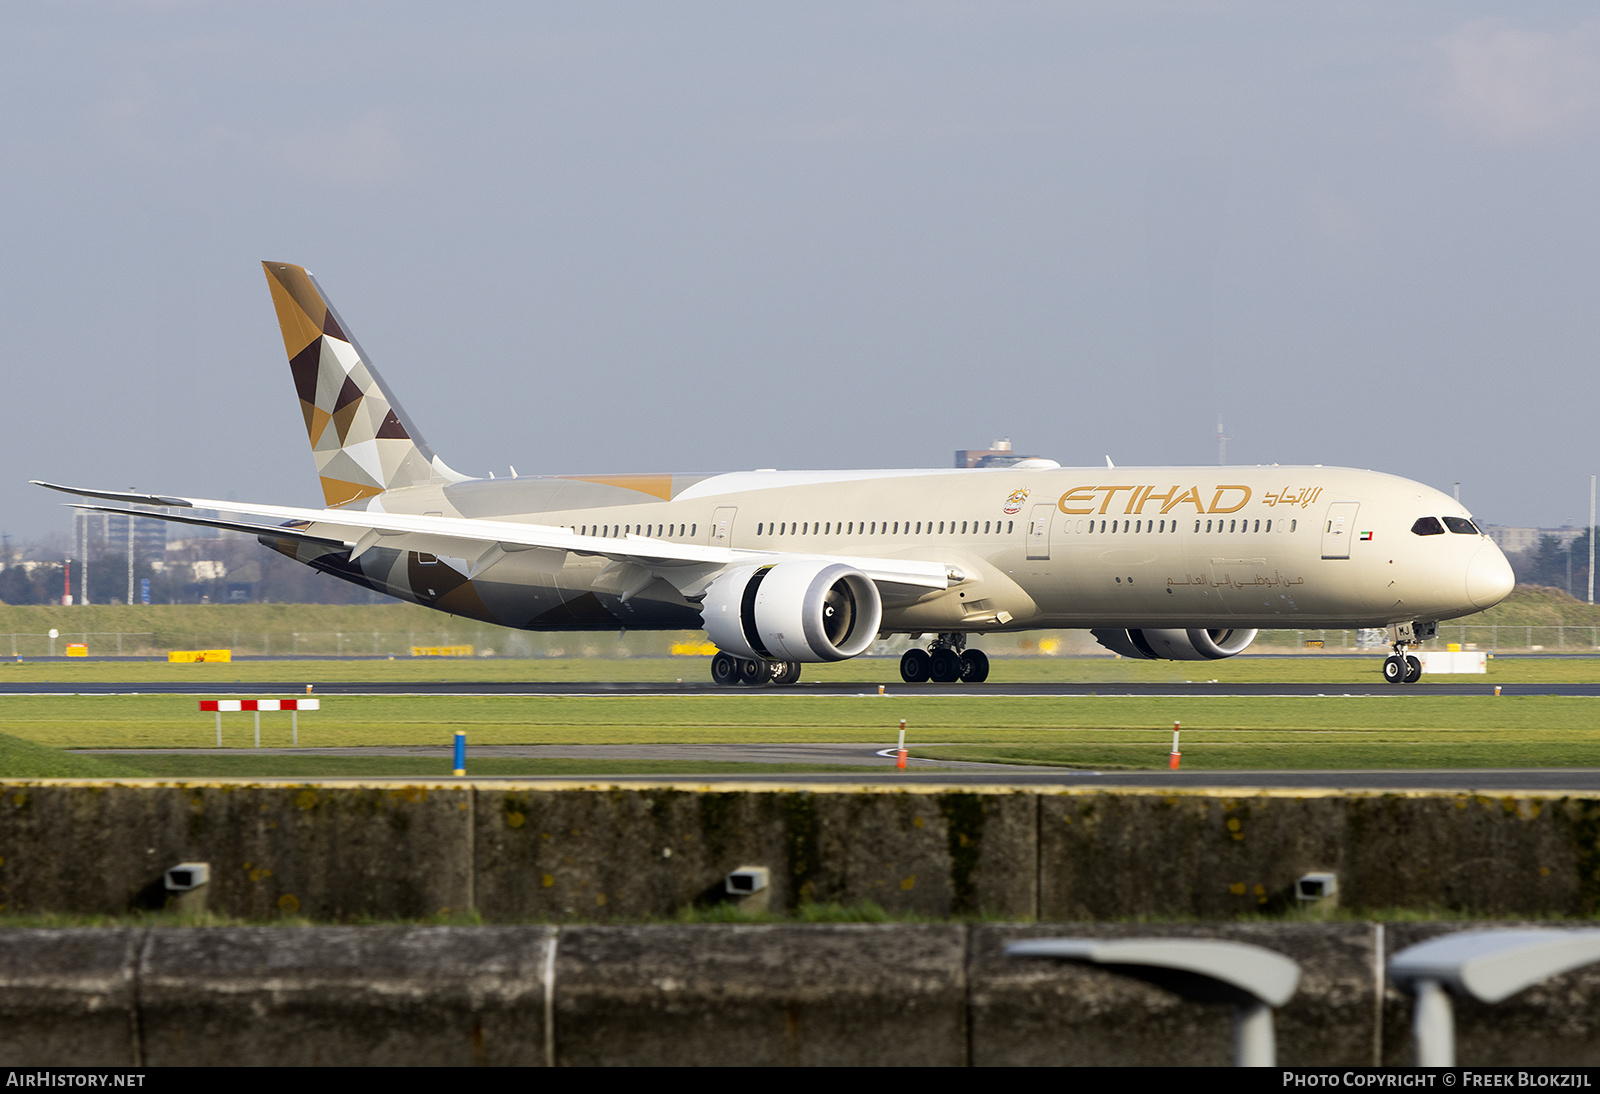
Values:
[(1447, 661)]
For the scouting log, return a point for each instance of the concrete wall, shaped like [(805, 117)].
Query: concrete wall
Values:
[(342, 850), (926, 994)]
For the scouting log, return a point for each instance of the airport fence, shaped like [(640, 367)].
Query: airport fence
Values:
[(486, 641), (1474, 636)]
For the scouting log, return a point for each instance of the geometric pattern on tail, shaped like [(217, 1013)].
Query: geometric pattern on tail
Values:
[(360, 438)]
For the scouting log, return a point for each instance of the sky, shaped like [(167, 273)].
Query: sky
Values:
[(607, 237)]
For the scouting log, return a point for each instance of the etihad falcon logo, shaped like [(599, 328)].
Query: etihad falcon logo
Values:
[(1014, 502)]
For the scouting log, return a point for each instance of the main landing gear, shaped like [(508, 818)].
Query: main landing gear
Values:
[(946, 661), (728, 670)]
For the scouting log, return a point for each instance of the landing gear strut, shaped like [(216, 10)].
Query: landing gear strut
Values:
[(728, 670), (1401, 667), (945, 662)]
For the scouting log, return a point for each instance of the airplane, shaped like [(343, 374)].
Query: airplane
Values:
[(784, 568)]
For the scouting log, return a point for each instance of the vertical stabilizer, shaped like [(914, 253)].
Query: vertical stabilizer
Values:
[(362, 440)]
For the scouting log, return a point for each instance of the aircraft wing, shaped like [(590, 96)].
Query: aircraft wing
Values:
[(482, 543)]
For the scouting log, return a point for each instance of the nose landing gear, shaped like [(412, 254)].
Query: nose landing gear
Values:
[(946, 661), (1401, 667)]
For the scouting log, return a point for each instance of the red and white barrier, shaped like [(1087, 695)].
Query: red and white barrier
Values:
[(258, 705)]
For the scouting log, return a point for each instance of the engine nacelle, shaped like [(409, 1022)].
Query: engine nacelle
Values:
[(793, 611), (1196, 644)]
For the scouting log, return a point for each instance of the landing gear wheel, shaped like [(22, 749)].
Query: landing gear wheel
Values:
[(1394, 669), (724, 670), (974, 667), (915, 666), (788, 672), (1413, 668), (945, 667), (755, 674)]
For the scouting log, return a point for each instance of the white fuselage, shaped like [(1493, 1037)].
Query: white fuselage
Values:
[(1247, 547)]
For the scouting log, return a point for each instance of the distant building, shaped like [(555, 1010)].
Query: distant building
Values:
[(1527, 539), (97, 534), (998, 454)]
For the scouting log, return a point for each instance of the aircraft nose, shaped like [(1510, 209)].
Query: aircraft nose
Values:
[(1489, 577)]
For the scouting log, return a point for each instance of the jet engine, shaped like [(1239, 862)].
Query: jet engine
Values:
[(1197, 644), (793, 611)]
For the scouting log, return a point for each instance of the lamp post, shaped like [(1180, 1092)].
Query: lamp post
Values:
[(1488, 966), (1252, 979)]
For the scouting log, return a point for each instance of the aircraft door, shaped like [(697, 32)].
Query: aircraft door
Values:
[(1039, 531), (722, 526), (1338, 528)]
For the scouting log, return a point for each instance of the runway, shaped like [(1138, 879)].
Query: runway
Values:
[(876, 765), (298, 687)]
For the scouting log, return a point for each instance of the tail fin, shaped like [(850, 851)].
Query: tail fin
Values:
[(362, 440)]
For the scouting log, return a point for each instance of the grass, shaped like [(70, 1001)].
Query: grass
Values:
[(246, 766), (1528, 605), (1302, 669), (1236, 752), (26, 759), (1220, 732)]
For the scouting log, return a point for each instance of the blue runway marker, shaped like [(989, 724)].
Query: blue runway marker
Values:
[(461, 754)]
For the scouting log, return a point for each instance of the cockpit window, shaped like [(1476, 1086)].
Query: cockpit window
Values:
[(1461, 526), (1427, 526)]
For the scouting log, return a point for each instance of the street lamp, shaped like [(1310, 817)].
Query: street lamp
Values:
[(1252, 979), (1488, 966)]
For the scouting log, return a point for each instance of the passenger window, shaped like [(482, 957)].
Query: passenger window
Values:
[(1427, 526), (1269, 526)]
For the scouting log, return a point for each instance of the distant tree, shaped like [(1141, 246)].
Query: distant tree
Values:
[(1548, 564), (18, 586)]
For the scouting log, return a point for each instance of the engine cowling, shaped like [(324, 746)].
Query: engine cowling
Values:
[(793, 611), (1195, 644)]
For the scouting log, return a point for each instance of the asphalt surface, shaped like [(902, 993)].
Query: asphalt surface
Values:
[(294, 687), (878, 768)]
